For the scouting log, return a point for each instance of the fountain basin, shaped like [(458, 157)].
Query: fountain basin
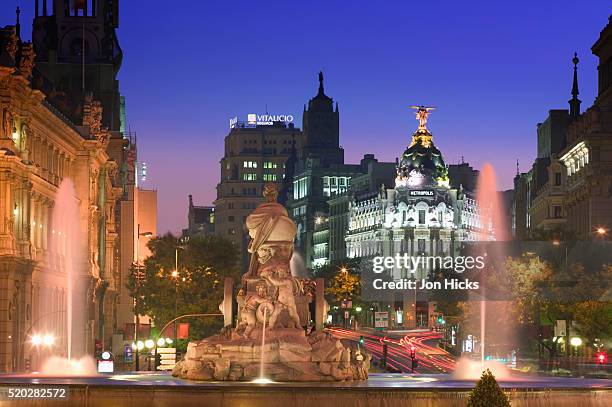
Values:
[(288, 355)]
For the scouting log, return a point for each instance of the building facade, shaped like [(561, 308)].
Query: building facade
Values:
[(63, 123), (419, 214), (587, 158), (319, 173), (200, 220), (42, 153), (254, 155), (566, 191)]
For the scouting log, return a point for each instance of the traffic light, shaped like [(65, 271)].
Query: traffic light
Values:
[(602, 358), (415, 364), (441, 320), (158, 358), (412, 352), (361, 340)]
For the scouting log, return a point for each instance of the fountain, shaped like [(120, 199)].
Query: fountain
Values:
[(272, 306), (66, 244), (493, 228)]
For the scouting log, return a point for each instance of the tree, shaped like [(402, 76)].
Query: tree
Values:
[(340, 285), (197, 287), (594, 319), (487, 393), (345, 285)]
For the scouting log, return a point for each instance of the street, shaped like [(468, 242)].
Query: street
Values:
[(431, 358)]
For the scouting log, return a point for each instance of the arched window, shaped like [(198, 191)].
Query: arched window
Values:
[(76, 47)]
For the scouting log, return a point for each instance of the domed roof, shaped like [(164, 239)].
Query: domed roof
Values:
[(422, 163)]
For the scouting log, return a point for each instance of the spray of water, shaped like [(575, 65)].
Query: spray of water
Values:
[(493, 228), (67, 246), (298, 267)]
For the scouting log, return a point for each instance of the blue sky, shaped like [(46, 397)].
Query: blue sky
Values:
[(492, 69)]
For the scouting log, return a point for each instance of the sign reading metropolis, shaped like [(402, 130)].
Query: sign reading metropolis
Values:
[(266, 119), (421, 192)]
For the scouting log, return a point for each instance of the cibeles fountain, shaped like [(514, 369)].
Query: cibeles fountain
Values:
[(268, 342)]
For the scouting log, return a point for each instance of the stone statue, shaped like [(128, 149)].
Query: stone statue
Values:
[(26, 62), (269, 336), (92, 115), (422, 113), (271, 231), (11, 44), (251, 305), (7, 124), (287, 287)]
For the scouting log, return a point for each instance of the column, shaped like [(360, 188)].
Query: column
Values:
[(228, 291), (320, 311)]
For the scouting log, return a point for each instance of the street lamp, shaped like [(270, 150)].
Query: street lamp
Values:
[(575, 342), (601, 231), (138, 282), (175, 275), (46, 340)]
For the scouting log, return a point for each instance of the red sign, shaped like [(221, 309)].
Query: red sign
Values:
[(183, 330)]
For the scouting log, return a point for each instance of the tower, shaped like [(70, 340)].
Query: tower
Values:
[(322, 128), (77, 52), (574, 101)]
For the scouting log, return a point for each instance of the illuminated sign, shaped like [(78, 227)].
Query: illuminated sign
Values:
[(254, 120), (421, 192), (268, 119)]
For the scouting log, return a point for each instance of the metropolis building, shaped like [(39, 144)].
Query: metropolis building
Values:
[(423, 214)]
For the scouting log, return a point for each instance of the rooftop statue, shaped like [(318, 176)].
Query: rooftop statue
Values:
[(422, 113)]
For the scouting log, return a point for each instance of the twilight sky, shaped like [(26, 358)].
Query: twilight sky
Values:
[(492, 69)]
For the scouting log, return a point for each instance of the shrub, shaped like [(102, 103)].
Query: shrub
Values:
[(487, 393)]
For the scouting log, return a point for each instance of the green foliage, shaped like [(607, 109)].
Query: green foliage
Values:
[(340, 285), (594, 319), (203, 263), (487, 393)]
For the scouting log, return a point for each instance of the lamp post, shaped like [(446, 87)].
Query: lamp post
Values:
[(138, 276), (149, 344), (576, 342), (557, 242), (37, 341), (175, 275)]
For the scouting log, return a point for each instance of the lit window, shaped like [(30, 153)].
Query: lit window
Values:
[(270, 165)]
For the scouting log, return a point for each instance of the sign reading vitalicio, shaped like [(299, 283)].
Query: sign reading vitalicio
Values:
[(266, 119)]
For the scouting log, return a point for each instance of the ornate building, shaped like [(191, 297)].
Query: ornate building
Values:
[(62, 121), (568, 190), (422, 215), (319, 173), (588, 155)]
